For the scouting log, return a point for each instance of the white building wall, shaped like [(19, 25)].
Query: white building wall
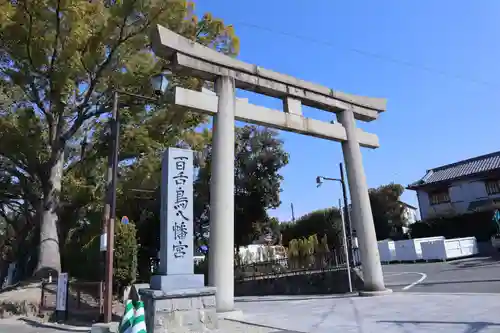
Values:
[(462, 193), (424, 204), (410, 215)]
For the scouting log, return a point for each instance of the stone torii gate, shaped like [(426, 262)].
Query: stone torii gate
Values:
[(193, 59)]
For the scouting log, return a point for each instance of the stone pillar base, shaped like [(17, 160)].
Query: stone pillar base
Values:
[(174, 282), (383, 292), (180, 311)]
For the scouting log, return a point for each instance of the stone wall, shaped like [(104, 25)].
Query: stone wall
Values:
[(306, 283), (185, 310)]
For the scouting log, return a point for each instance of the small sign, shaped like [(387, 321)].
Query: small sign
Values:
[(125, 220), (62, 292), (103, 243)]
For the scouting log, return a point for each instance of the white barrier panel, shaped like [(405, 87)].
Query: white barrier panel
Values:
[(387, 251), (411, 249), (449, 248)]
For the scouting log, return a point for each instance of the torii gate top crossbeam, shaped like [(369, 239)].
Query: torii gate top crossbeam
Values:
[(206, 63)]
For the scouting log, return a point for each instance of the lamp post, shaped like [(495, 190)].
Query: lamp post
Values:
[(159, 83), (348, 222)]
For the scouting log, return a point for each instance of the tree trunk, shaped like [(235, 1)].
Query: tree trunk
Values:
[(49, 258)]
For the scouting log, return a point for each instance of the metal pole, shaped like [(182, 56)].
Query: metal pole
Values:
[(347, 216), (346, 251), (105, 216), (108, 293)]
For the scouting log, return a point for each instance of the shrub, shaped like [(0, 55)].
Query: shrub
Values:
[(80, 256), (479, 225), (125, 259)]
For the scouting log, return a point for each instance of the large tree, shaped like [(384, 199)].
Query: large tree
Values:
[(387, 209), (67, 57), (259, 157), (321, 222)]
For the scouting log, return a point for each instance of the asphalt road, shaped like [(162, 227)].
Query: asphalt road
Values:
[(473, 275)]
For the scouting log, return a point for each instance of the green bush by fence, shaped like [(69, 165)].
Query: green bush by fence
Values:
[(126, 247), (479, 225), (305, 253)]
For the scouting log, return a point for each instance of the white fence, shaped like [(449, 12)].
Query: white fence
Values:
[(449, 248), (430, 248)]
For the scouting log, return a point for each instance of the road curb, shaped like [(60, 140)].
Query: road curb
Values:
[(56, 326)]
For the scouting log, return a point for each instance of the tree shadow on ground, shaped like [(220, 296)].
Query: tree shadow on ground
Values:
[(284, 298), (472, 326), (479, 262), (38, 324), (430, 283)]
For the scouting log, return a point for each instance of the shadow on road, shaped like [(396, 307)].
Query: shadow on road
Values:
[(35, 323), (472, 327), (278, 298), (430, 283), (483, 262)]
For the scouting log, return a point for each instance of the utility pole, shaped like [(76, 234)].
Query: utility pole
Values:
[(346, 251), (293, 213), (160, 84), (347, 216), (108, 289), (106, 214)]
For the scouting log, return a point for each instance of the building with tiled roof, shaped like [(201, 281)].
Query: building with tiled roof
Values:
[(458, 188)]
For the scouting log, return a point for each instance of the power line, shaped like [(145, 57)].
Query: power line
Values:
[(376, 56)]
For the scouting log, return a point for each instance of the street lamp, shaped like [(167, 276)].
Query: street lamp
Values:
[(341, 180), (159, 84)]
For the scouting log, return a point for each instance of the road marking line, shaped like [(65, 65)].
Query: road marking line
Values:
[(396, 274), (422, 278)]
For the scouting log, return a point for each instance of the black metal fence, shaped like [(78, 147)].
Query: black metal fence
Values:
[(309, 264), (84, 299)]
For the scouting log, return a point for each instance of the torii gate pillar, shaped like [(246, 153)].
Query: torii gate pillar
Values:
[(361, 209), (221, 254)]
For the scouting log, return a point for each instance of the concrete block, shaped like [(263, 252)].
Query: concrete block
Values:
[(293, 106)]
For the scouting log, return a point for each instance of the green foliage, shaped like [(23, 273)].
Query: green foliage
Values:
[(305, 253), (324, 222), (479, 225), (323, 246), (60, 62), (81, 256), (259, 156), (125, 262), (386, 209)]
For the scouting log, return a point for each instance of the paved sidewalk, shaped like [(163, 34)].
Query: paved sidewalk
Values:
[(13, 325), (396, 313)]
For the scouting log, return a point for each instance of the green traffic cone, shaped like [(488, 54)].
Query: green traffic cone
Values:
[(128, 318), (139, 325)]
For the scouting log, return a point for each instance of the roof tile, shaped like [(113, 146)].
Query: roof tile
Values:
[(467, 167)]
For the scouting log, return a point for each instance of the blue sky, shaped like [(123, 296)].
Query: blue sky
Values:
[(435, 61)]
